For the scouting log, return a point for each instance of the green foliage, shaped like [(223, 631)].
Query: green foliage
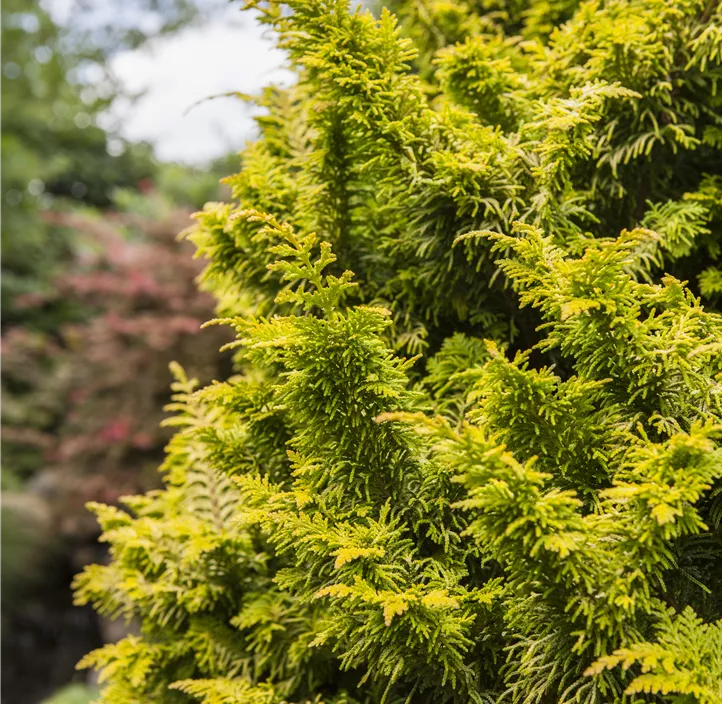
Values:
[(487, 467), (72, 694), (52, 148), (26, 547), (687, 659)]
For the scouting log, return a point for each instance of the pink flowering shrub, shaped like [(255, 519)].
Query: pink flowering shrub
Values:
[(85, 405)]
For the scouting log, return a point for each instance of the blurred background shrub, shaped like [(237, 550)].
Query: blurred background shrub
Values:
[(98, 296)]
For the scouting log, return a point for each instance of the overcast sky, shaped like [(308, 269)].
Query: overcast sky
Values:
[(229, 53)]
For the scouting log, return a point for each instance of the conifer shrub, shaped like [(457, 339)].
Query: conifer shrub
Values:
[(486, 466)]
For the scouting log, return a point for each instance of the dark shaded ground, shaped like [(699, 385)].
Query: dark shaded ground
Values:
[(44, 635)]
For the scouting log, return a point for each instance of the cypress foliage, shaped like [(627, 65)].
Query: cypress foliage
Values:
[(487, 465)]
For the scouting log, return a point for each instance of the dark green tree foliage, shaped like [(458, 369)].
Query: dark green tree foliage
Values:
[(52, 149), (486, 467), (57, 81)]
